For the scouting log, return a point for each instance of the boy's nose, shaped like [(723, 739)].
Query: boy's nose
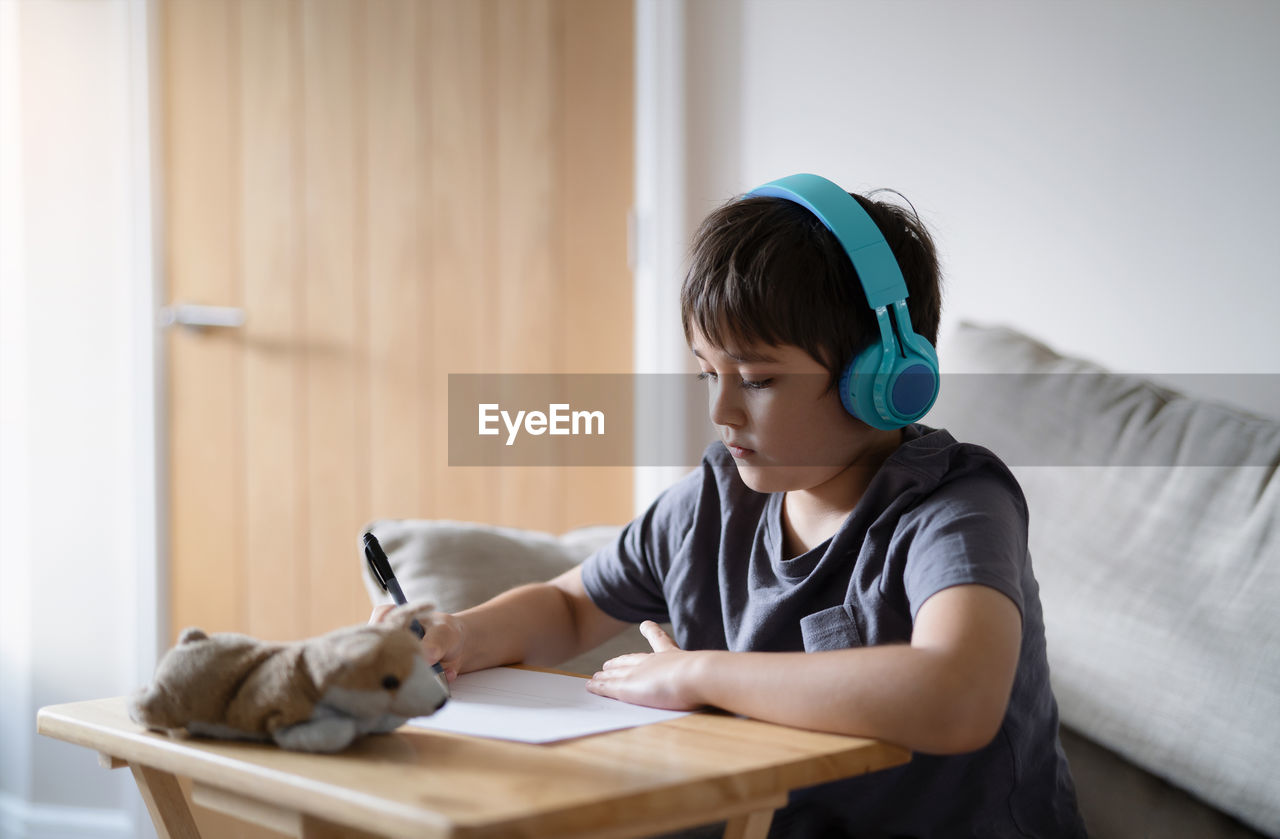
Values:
[(725, 407)]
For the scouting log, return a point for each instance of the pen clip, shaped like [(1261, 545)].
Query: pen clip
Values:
[(379, 565)]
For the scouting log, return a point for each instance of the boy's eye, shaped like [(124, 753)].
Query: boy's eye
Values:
[(750, 384)]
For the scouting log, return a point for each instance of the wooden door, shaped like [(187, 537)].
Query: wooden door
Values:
[(393, 191)]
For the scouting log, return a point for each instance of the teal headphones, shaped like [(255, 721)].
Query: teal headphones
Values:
[(893, 383)]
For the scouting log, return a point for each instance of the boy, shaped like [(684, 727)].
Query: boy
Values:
[(829, 565)]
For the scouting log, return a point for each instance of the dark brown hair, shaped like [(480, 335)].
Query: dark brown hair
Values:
[(765, 270)]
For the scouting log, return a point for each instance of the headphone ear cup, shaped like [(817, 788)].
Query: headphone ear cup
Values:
[(900, 397), (913, 389), (858, 386)]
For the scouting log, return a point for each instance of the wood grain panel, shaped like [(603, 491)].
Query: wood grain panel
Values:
[(528, 265), (525, 162), (335, 306), (276, 576), (458, 144), (395, 191), (204, 375), (398, 287), (594, 143)]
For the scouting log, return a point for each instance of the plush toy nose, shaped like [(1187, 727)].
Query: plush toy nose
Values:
[(390, 682), (420, 694)]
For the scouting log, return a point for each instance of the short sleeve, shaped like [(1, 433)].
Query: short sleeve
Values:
[(970, 531), (625, 578)]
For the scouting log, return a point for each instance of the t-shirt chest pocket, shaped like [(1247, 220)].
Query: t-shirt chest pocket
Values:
[(830, 629)]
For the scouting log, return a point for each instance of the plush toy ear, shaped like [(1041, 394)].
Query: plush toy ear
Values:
[(331, 654), (356, 646), (405, 615)]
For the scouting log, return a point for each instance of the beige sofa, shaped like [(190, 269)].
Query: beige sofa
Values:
[(1155, 534)]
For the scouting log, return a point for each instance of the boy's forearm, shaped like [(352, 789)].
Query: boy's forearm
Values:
[(897, 693), (530, 624)]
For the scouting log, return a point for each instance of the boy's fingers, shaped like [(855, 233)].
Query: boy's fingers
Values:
[(624, 660), (659, 640), (432, 648), (440, 641), (380, 612)]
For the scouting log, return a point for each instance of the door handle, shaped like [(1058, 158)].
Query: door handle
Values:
[(197, 317)]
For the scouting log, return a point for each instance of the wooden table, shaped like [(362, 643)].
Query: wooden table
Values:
[(415, 783)]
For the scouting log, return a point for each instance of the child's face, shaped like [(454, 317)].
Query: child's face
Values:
[(773, 412)]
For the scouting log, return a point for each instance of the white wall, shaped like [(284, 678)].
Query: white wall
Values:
[(77, 520), (1103, 175)]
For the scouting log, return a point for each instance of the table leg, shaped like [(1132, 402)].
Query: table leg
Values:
[(276, 819), (313, 828), (749, 825), (247, 809), (165, 802), (107, 761)]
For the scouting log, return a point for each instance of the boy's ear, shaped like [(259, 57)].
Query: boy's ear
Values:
[(405, 615)]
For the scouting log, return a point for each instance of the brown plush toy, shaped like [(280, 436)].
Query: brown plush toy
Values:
[(315, 695)]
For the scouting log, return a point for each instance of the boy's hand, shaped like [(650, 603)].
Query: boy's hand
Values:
[(660, 679), (443, 641)]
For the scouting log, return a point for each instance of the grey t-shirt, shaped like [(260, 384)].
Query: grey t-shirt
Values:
[(707, 556)]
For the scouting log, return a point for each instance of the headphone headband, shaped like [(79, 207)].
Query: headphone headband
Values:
[(857, 233)]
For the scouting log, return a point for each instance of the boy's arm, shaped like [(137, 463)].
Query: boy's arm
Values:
[(944, 693), (538, 623)]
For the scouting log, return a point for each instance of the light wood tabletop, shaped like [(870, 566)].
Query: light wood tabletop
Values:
[(692, 770)]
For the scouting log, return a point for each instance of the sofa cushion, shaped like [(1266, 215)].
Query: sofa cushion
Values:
[(456, 565), (1155, 533), (1120, 800)]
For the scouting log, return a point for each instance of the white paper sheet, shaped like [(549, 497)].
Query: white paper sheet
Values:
[(533, 707)]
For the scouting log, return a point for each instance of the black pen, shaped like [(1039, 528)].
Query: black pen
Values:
[(380, 566)]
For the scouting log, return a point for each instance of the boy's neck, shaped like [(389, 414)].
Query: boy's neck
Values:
[(811, 516)]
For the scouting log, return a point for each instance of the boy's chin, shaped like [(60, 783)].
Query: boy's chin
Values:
[(785, 478), (766, 478)]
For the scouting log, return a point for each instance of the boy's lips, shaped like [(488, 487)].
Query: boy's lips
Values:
[(739, 451)]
